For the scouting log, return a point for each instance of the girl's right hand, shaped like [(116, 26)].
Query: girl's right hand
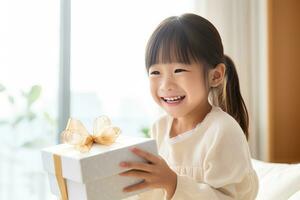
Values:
[(156, 173)]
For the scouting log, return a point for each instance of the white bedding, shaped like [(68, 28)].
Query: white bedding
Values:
[(277, 181)]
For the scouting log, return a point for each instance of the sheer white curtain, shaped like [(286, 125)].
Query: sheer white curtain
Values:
[(242, 25), (108, 75)]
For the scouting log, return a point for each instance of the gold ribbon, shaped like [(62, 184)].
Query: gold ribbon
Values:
[(60, 179), (76, 134)]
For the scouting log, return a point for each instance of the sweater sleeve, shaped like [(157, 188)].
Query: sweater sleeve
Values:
[(227, 171)]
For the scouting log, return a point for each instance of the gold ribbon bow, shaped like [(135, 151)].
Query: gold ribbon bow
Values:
[(77, 135)]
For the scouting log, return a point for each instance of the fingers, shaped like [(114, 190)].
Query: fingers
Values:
[(136, 173), (135, 187), (146, 155), (137, 165)]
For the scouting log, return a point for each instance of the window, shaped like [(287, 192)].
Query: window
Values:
[(108, 75), (29, 53)]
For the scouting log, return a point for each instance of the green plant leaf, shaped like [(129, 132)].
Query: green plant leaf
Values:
[(2, 88), (34, 94), (31, 116), (11, 99), (145, 131), (17, 120), (49, 119), (3, 122), (34, 143)]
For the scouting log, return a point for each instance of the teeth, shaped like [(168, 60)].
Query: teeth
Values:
[(172, 98)]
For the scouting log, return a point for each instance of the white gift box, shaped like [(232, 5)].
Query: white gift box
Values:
[(94, 175)]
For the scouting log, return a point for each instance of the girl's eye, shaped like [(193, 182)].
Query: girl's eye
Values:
[(154, 73), (179, 70)]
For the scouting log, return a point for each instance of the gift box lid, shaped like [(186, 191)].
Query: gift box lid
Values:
[(100, 162)]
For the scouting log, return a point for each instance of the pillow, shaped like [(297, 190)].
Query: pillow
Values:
[(277, 181), (296, 196)]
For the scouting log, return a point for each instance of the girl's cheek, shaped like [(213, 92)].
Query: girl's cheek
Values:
[(154, 94), (153, 90)]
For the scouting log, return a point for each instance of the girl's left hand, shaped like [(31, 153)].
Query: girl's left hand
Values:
[(156, 173)]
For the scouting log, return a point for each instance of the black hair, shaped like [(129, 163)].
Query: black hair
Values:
[(191, 38)]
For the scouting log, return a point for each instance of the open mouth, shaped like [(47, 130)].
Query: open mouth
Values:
[(175, 99)]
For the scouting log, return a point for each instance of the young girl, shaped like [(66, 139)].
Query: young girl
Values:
[(202, 140)]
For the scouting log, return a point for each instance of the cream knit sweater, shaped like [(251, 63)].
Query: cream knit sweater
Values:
[(212, 161)]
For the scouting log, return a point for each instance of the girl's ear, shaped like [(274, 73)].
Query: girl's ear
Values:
[(216, 75)]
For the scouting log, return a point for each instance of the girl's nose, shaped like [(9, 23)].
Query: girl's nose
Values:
[(167, 84)]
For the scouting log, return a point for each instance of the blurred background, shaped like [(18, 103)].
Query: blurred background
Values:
[(86, 58)]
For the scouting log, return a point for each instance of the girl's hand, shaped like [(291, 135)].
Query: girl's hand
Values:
[(156, 173)]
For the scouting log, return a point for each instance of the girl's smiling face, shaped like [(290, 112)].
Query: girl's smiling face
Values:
[(180, 89)]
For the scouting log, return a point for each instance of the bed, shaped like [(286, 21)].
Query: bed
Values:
[(277, 181)]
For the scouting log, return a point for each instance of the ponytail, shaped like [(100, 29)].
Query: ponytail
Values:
[(229, 97), (188, 38)]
